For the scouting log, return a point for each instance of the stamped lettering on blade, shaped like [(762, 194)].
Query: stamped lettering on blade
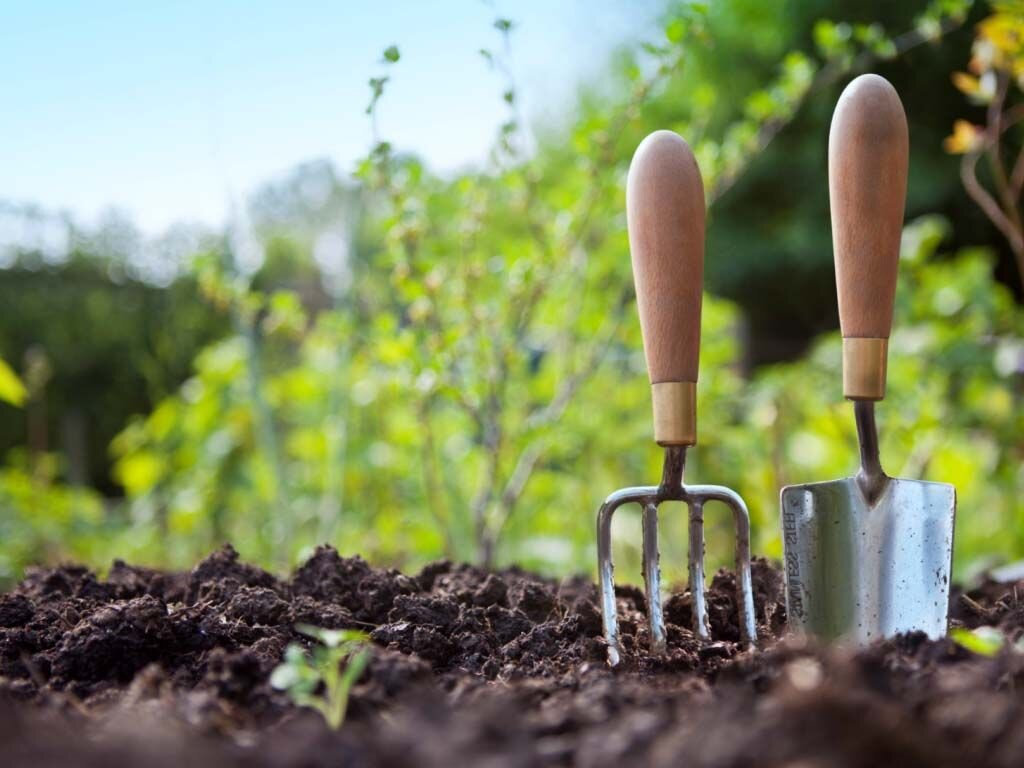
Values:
[(794, 588)]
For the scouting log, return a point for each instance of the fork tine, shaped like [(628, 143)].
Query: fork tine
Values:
[(701, 628), (605, 570), (701, 494), (648, 497), (652, 578), (744, 582)]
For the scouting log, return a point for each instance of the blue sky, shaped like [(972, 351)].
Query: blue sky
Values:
[(163, 109)]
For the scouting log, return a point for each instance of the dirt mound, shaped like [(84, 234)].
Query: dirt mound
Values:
[(474, 667)]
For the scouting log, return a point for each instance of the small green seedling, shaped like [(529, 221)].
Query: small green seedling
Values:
[(336, 664), (984, 641)]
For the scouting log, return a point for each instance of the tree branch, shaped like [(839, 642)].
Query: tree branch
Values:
[(531, 455), (987, 203)]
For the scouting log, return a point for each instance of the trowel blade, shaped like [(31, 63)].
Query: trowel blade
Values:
[(858, 572)]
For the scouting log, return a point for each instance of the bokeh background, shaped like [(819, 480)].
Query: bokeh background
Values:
[(283, 274)]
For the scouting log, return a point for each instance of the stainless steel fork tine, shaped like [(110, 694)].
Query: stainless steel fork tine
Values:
[(696, 563), (744, 582), (605, 566), (741, 522), (606, 569), (652, 578), (695, 496)]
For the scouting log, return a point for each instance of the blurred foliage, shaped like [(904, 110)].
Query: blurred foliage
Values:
[(465, 377), (95, 345), (43, 520), (996, 67)]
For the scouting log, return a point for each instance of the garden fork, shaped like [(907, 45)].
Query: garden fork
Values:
[(665, 215)]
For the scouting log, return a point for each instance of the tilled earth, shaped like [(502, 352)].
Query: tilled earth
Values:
[(476, 668)]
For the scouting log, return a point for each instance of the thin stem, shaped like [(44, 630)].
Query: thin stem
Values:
[(431, 483), (988, 204), (268, 444), (1017, 177), (994, 154)]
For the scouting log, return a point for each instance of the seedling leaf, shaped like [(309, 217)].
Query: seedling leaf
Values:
[(984, 641), (323, 680)]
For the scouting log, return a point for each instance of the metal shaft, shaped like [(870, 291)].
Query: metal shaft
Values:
[(871, 479), (672, 472)]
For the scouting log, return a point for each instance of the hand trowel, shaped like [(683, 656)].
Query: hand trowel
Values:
[(868, 556)]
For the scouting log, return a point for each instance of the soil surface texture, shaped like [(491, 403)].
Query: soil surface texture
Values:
[(474, 668)]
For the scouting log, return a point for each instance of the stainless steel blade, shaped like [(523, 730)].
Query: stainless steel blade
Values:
[(859, 572)]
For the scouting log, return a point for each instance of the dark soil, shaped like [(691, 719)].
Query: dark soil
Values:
[(476, 668)]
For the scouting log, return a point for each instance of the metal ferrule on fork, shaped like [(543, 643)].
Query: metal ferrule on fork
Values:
[(649, 497)]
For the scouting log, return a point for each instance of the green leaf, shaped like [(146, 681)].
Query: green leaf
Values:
[(376, 91), (503, 25), (354, 667), (831, 39), (984, 641), (332, 638), (138, 472), (391, 54), (11, 388), (284, 677), (675, 31), (295, 654)]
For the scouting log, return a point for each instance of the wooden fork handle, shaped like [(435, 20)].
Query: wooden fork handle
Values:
[(665, 214)]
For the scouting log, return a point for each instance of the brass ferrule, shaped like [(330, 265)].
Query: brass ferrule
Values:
[(864, 366), (675, 412)]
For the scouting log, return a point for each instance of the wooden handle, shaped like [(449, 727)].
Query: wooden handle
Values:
[(665, 213), (867, 182)]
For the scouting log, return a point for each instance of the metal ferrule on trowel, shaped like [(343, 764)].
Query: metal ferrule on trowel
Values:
[(869, 556)]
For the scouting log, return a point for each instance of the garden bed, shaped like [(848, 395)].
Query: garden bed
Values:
[(476, 668)]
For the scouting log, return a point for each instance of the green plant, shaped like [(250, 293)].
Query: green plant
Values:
[(984, 641), (323, 680), (43, 520)]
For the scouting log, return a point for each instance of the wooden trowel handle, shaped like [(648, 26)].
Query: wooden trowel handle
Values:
[(665, 213), (867, 182)]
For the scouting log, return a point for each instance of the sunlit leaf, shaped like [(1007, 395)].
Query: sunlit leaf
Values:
[(11, 389), (984, 641), (966, 137)]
